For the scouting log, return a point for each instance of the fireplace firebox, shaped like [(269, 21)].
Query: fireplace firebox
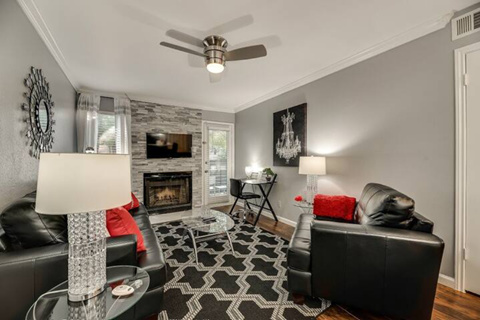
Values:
[(167, 191)]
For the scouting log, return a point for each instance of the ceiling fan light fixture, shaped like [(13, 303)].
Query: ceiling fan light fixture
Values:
[(214, 67)]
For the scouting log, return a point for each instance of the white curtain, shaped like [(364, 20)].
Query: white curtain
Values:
[(122, 125), (87, 122)]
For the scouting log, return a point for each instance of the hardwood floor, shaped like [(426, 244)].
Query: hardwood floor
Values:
[(449, 304)]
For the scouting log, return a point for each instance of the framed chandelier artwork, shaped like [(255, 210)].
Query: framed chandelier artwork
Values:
[(290, 136)]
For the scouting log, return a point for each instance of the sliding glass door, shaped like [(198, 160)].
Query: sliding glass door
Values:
[(217, 161)]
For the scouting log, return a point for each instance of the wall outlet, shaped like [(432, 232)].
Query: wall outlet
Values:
[(279, 203)]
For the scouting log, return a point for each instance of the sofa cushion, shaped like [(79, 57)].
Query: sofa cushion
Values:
[(335, 207), (380, 205), (298, 254), (132, 204), (121, 223), (28, 229)]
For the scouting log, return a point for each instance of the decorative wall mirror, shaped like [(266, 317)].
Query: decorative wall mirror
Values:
[(40, 113)]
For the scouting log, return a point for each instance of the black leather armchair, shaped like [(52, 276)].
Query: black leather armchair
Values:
[(390, 270), (25, 274)]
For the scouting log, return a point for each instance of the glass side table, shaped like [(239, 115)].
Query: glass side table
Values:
[(304, 206), (54, 304)]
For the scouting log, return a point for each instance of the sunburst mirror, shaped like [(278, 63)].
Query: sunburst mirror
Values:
[(40, 113)]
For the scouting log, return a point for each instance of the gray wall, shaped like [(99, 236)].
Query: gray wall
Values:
[(389, 119), (21, 48), (218, 116)]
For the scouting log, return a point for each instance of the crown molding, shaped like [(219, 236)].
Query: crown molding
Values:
[(33, 14), (381, 47)]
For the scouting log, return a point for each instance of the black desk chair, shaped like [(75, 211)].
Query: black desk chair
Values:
[(236, 190)]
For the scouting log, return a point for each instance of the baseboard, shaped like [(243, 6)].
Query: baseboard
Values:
[(270, 215), (446, 281)]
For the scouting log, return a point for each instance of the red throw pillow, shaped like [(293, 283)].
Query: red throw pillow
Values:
[(132, 205), (336, 207), (120, 223)]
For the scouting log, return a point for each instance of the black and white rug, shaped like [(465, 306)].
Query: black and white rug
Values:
[(252, 284)]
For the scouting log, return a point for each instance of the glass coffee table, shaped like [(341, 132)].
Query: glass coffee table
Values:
[(205, 225), (54, 304)]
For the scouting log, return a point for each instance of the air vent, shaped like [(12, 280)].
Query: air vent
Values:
[(466, 24)]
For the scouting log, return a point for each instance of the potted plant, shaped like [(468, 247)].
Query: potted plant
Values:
[(268, 173)]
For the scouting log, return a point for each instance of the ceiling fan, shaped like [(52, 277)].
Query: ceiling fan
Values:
[(215, 51)]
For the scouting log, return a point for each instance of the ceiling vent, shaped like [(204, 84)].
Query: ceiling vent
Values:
[(466, 24)]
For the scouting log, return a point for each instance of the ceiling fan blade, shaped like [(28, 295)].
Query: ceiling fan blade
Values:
[(215, 77), (180, 36), (245, 53), (175, 47), (232, 25)]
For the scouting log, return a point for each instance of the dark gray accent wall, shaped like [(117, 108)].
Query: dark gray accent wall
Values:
[(20, 48), (389, 119)]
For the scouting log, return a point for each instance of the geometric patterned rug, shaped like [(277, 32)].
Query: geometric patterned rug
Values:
[(252, 284)]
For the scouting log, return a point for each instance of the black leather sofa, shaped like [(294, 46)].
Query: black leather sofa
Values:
[(386, 261), (34, 253)]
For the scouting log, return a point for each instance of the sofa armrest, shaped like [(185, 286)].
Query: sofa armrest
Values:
[(122, 250), (376, 268), (26, 274)]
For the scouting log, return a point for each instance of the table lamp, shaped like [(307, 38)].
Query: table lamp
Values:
[(312, 167), (83, 186)]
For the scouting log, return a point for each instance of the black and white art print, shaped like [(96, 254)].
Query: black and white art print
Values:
[(290, 136)]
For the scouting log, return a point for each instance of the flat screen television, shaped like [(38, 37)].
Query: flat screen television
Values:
[(169, 145)]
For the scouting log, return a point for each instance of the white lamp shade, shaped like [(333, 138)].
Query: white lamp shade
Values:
[(78, 183), (313, 166)]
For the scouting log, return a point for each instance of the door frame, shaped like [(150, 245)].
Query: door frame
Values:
[(461, 161), (231, 154)]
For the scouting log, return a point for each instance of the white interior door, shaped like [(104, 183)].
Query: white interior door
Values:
[(472, 220), (217, 161)]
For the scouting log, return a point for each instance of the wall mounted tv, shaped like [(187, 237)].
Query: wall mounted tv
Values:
[(169, 145)]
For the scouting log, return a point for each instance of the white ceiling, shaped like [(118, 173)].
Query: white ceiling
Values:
[(112, 45)]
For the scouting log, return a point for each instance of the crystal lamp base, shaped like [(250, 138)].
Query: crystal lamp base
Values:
[(87, 275), (312, 189)]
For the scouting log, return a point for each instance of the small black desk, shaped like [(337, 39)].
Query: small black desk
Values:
[(261, 184)]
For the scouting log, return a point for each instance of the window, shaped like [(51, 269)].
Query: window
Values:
[(106, 133)]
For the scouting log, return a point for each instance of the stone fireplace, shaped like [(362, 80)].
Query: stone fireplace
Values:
[(155, 118), (167, 191)]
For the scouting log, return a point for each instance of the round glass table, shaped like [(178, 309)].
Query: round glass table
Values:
[(54, 304), (304, 206), (207, 224)]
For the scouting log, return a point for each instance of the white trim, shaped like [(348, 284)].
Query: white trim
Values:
[(460, 162), (395, 41), (270, 215), (231, 127), (446, 281), (33, 14)]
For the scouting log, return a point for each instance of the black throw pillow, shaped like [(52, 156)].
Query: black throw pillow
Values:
[(380, 205), (28, 229)]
